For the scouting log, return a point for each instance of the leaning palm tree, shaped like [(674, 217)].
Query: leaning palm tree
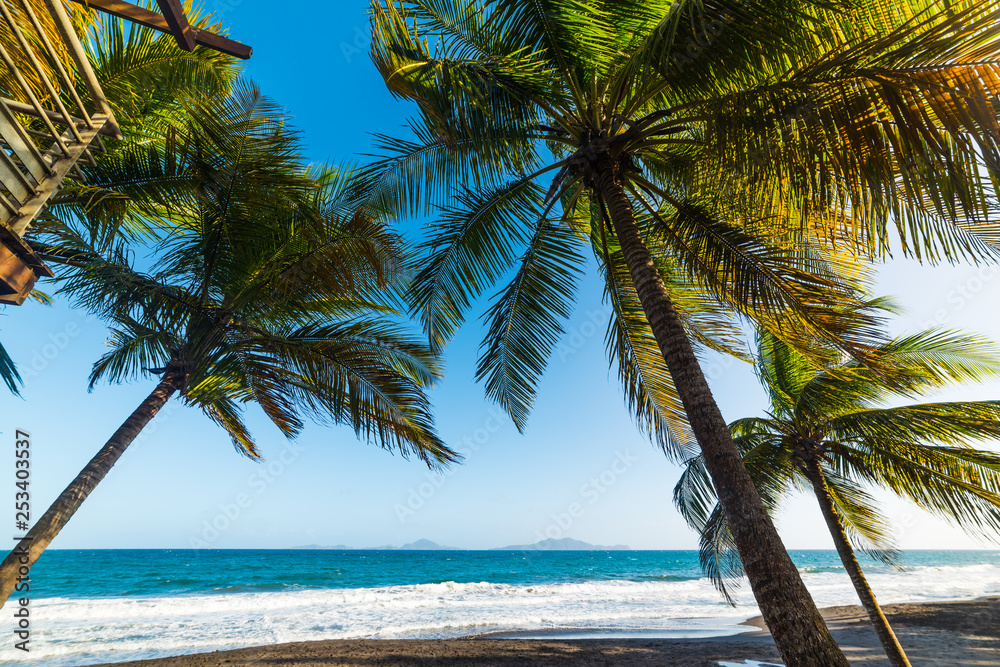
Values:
[(270, 286), (692, 137), (827, 430)]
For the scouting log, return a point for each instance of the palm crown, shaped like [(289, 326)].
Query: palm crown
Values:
[(738, 130), (837, 418), (268, 286)]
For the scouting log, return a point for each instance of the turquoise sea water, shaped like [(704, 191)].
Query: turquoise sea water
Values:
[(112, 605)]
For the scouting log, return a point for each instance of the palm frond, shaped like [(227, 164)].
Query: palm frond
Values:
[(866, 527), (365, 375), (954, 483), (472, 244), (690, 49), (227, 414), (928, 422), (906, 366), (8, 372), (650, 394), (461, 91), (525, 320), (417, 176), (771, 284), (893, 127), (144, 74)]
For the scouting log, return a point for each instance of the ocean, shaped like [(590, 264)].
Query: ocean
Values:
[(98, 606)]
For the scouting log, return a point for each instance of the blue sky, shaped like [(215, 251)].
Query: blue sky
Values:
[(580, 447)]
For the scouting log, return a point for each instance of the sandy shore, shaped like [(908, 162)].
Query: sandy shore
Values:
[(944, 634)]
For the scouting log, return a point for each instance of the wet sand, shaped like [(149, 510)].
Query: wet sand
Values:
[(941, 634)]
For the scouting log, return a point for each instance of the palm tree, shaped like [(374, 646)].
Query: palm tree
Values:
[(270, 286), (827, 430), (680, 135)]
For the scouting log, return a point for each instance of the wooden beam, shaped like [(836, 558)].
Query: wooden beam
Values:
[(108, 130), (20, 267), (16, 138), (65, 26), (156, 21), (174, 14), (60, 165), (16, 277)]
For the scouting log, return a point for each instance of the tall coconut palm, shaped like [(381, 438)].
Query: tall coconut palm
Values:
[(827, 430), (681, 131), (272, 288)]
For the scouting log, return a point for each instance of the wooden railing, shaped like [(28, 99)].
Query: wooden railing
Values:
[(46, 128)]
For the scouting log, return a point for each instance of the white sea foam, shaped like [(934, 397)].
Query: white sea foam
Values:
[(87, 631)]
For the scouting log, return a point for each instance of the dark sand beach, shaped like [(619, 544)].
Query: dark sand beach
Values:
[(942, 634)]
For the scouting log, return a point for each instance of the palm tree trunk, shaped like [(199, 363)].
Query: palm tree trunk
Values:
[(791, 615), (16, 565), (847, 556)]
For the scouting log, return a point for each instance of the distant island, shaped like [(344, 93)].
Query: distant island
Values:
[(564, 544)]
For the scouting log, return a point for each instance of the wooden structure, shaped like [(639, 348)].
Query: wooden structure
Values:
[(46, 130), (172, 20)]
